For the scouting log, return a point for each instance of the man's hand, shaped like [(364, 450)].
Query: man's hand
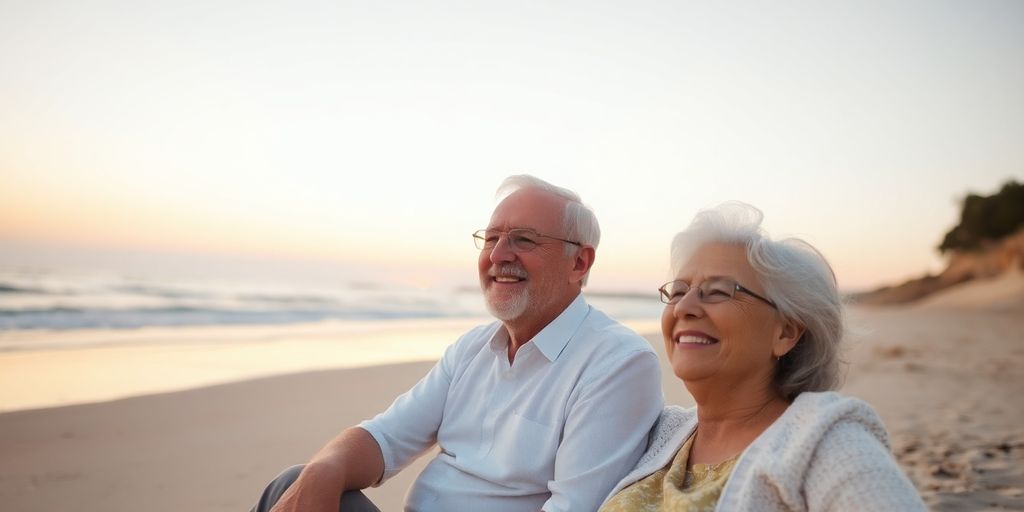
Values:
[(313, 491), (352, 460)]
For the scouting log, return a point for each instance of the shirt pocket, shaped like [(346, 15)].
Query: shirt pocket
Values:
[(523, 452)]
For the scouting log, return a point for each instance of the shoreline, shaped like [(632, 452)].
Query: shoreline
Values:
[(96, 365), (944, 381)]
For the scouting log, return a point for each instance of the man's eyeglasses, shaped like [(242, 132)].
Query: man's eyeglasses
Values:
[(711, 291), (519, 240)]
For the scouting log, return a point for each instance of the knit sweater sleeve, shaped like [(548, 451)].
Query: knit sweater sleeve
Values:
[(852, 469)]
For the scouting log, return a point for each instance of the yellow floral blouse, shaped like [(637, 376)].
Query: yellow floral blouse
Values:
[(674, 488)]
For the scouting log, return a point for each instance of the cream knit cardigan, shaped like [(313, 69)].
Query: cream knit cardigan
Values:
[(825, 453)]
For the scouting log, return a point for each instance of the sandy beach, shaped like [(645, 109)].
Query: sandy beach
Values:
[(945, 376)]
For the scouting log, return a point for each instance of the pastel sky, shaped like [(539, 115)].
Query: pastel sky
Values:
[(370, 136)]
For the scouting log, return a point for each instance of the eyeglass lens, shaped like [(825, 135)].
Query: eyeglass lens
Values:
[(710, 291), (520, 240)]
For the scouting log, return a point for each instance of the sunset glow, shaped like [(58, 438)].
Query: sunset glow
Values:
[(372, 136)]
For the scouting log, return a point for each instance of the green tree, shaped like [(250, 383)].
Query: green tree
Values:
[(986, 218)]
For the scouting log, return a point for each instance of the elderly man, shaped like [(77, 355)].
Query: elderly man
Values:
[(545, 409)]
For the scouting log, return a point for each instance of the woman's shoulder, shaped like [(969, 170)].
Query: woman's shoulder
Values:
[(852, 466), (666, 434), (827, 409), (674, 424), (674, 418), (828, 449), (813, 418), (675, 413)]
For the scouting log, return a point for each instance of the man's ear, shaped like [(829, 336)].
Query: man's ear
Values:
[(581, 263), (786, 337)]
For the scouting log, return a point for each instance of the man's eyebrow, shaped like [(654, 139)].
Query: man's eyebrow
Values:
[(512, 229)]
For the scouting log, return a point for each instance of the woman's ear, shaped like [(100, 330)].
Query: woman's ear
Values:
[(788, 334)]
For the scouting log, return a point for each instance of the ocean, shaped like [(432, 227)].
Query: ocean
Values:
[(34, 298)]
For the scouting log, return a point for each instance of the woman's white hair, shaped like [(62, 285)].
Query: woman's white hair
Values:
[(579, 220), (795, 276)]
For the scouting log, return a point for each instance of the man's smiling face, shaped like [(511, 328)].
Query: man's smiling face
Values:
[(527, 286)]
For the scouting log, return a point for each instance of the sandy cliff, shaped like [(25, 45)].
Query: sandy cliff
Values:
[(1000, 260)]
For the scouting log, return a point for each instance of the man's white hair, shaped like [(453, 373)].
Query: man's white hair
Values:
[(579, 221)]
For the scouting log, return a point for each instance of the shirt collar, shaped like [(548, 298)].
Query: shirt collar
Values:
[(553, 338)]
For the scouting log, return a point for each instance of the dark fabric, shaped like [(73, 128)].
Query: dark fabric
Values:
[(351, 501)]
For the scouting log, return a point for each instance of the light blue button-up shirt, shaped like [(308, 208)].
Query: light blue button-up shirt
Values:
[(554, 430)]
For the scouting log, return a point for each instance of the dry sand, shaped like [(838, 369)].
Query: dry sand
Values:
[(947, 376), (946, 379)]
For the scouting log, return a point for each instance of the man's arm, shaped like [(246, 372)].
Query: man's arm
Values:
[(606, 431), (352, 460), (357, 459)]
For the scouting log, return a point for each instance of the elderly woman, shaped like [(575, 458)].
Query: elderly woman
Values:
[(752, 326)]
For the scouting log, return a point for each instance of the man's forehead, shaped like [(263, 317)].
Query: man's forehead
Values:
[(529, 209), (524, 230)]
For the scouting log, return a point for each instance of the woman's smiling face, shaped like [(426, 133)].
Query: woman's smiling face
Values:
[(729, 341)]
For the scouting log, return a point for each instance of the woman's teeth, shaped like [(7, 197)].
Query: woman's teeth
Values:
[(695, 339)]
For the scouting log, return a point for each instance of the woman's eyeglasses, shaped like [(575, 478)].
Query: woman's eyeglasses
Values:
[(711, 291)]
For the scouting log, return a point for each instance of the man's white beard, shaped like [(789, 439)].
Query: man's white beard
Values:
[(508, 308)]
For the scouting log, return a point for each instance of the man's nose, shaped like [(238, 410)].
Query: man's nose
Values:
[(502, 251)]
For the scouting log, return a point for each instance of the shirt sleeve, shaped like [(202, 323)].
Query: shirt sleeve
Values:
[(605, 431), (408, 428), (853, 470)]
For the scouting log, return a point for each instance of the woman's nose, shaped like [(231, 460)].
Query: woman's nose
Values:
[(689, 305)]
